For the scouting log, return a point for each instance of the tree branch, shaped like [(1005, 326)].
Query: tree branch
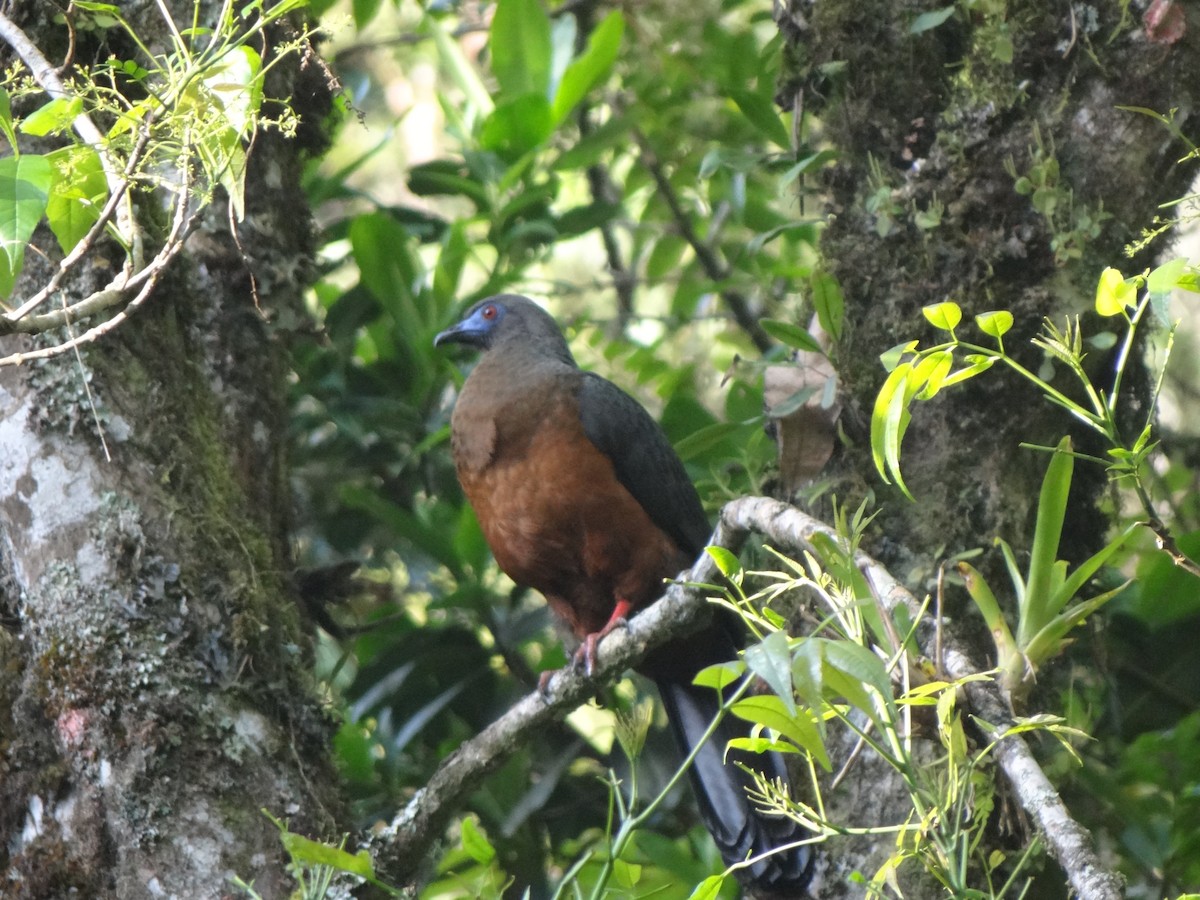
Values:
[(400, 849)]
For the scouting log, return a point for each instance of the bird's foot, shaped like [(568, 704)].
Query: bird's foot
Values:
[(585, 656)]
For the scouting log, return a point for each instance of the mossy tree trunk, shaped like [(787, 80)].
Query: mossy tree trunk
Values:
[(931, 123), (154, 687)]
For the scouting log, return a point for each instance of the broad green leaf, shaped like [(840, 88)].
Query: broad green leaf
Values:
[(800, 729), (520, 46), (829, 303), (944, 316), (859, 663), (791, 334), (894, 356), (720, 675), (930, 20), (1165, 278), (761, 112), (590, 66), (995, 323), (771, 660), (708, 436), (931, 372), (77, 194), (25, 183), (52, 118), (664, 258), (475, 842), (233, 84), (517, 126), (1113, 293)]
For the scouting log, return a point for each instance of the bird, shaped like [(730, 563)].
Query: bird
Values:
[(581, 496)]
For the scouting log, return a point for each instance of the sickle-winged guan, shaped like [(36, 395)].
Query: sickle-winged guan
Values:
[(581, 496)]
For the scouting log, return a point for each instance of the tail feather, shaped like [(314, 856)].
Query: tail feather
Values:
[(738, 827)]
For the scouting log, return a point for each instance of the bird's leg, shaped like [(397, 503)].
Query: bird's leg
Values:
[(585, 656)]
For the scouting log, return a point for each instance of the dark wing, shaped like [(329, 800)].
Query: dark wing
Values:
[(644, 460)]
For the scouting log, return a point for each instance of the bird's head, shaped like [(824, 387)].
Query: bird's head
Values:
[(508, 322)]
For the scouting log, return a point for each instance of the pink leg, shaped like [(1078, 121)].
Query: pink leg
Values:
[(586, 654)]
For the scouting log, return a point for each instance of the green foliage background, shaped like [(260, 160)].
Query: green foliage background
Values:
[(631, 171)]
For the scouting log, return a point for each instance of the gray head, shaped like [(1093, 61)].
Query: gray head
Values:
[(509, 322)]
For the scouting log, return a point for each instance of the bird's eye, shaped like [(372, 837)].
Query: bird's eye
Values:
[(489, 312)]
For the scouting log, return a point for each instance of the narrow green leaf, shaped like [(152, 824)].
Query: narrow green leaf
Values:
[(791, 334), (894, 356), (829, 304), (24, 193), (590, 66), (6, 121), (1047, 534), (705, 438), (520, 45), (760, 111), (927, 21), (889, 420), (314, 853), (978, 363), (708, 889), (726, 560), (945, 315), (932, 372)]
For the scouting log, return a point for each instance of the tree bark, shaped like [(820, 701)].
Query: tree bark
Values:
[(154, 686)]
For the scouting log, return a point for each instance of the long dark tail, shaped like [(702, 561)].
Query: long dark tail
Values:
[(739, 829)]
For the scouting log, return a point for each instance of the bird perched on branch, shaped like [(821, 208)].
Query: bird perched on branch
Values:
[(581, 496)]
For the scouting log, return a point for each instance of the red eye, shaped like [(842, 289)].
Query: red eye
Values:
[(489, 312)]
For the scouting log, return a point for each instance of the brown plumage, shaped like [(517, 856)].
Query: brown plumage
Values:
[(581, 496)]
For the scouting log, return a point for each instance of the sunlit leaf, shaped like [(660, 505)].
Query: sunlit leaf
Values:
[(945, 315), (995, 323), (1113, 293), (24, 193), (521, 46), (590, 66)]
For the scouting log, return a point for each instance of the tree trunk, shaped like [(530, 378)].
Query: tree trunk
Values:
[(932, 125), (154, 686)]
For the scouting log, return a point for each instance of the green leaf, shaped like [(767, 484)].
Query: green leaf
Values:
[(791, 334), (24, 193), (233, 84), (800, 729), (944, 316), (364, 11), (894, 356), (720, 675), (1113, 293), (726, 561), (314, 853), (77, 194), (978, 363), (520, 45), (475, 843), (889, 420), (929, 20), (517, 126), (931, 372), (760, 111), (590, 66), (6, 121), (771, 660), (708, 889), (1165, 278), (995, 323), (1047, 534), (664, 258), (54, 117), (829, 303)]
